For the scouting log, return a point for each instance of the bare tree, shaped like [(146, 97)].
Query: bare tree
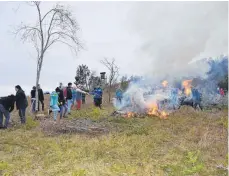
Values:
[(55, 26), (113, 75)]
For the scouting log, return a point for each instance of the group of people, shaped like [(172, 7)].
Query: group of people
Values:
[(7, 106), (63, 99)]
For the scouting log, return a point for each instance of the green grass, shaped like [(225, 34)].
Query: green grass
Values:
[(187, 143)]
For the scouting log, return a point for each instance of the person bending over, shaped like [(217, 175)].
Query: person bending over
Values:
[(6, 107)]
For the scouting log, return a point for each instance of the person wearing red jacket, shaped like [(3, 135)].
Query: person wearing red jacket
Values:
[(222, 92)]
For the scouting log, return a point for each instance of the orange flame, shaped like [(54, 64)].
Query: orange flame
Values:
[(153, 110), (130, 114), (187, 84), (165, 83), (164, 115)]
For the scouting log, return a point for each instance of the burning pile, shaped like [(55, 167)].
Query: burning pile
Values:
[(136, 102), (187, 84), (160, 101), (154, 111)]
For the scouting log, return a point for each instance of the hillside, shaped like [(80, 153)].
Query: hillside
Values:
[(91, 142)]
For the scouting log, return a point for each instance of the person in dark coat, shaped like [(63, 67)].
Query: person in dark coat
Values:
[(33, 98), (69, 97), (84, 98), (40, 97), (6, 107), (21, 103), (62, 103)]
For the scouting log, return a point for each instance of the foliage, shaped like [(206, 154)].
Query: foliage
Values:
[(124, 83), (3, 165), (189, 165), (82, 75), (80, 172)]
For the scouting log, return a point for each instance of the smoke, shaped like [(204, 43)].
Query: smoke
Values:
[(173, 34), (176, 40)]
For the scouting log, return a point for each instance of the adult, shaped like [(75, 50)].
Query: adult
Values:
[(222, 92), (62, 103), (119, 95), (69, 97), (174, 98), (33, 98), (196, 96), (98, 94), (40, 97), (6, 107), (21, 103)]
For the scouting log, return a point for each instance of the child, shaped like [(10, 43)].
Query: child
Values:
[(79, 93), (74, 94), (33, 99), (69, 97), (62, 103), (54, 104)]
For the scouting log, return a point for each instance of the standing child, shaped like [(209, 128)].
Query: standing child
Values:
[(33, 99), (61, 102), (74, 94), (69, 97), (79, 93), (41, 98), (54, 104)]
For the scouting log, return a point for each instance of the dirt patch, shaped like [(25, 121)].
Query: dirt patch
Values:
[(73, 126)]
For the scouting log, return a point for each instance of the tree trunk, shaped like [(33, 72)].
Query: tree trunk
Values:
[(37, 82), (109, 93)]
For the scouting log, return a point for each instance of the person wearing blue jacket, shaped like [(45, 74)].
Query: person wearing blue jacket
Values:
[(119, 95), (196, 96), (74, 95), (54, 104), (174, 97), (98, 94)]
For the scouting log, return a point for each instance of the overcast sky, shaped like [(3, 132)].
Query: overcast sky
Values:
[(143, 37)]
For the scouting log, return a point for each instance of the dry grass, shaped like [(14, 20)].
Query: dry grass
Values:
[(187, 143)]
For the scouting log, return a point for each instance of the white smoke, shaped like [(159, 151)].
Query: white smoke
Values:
[(175, 33)]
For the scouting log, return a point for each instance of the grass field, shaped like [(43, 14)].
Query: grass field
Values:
[(187, 143)]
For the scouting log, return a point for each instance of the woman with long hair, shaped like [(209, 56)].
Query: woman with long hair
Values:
[(21, 103)]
